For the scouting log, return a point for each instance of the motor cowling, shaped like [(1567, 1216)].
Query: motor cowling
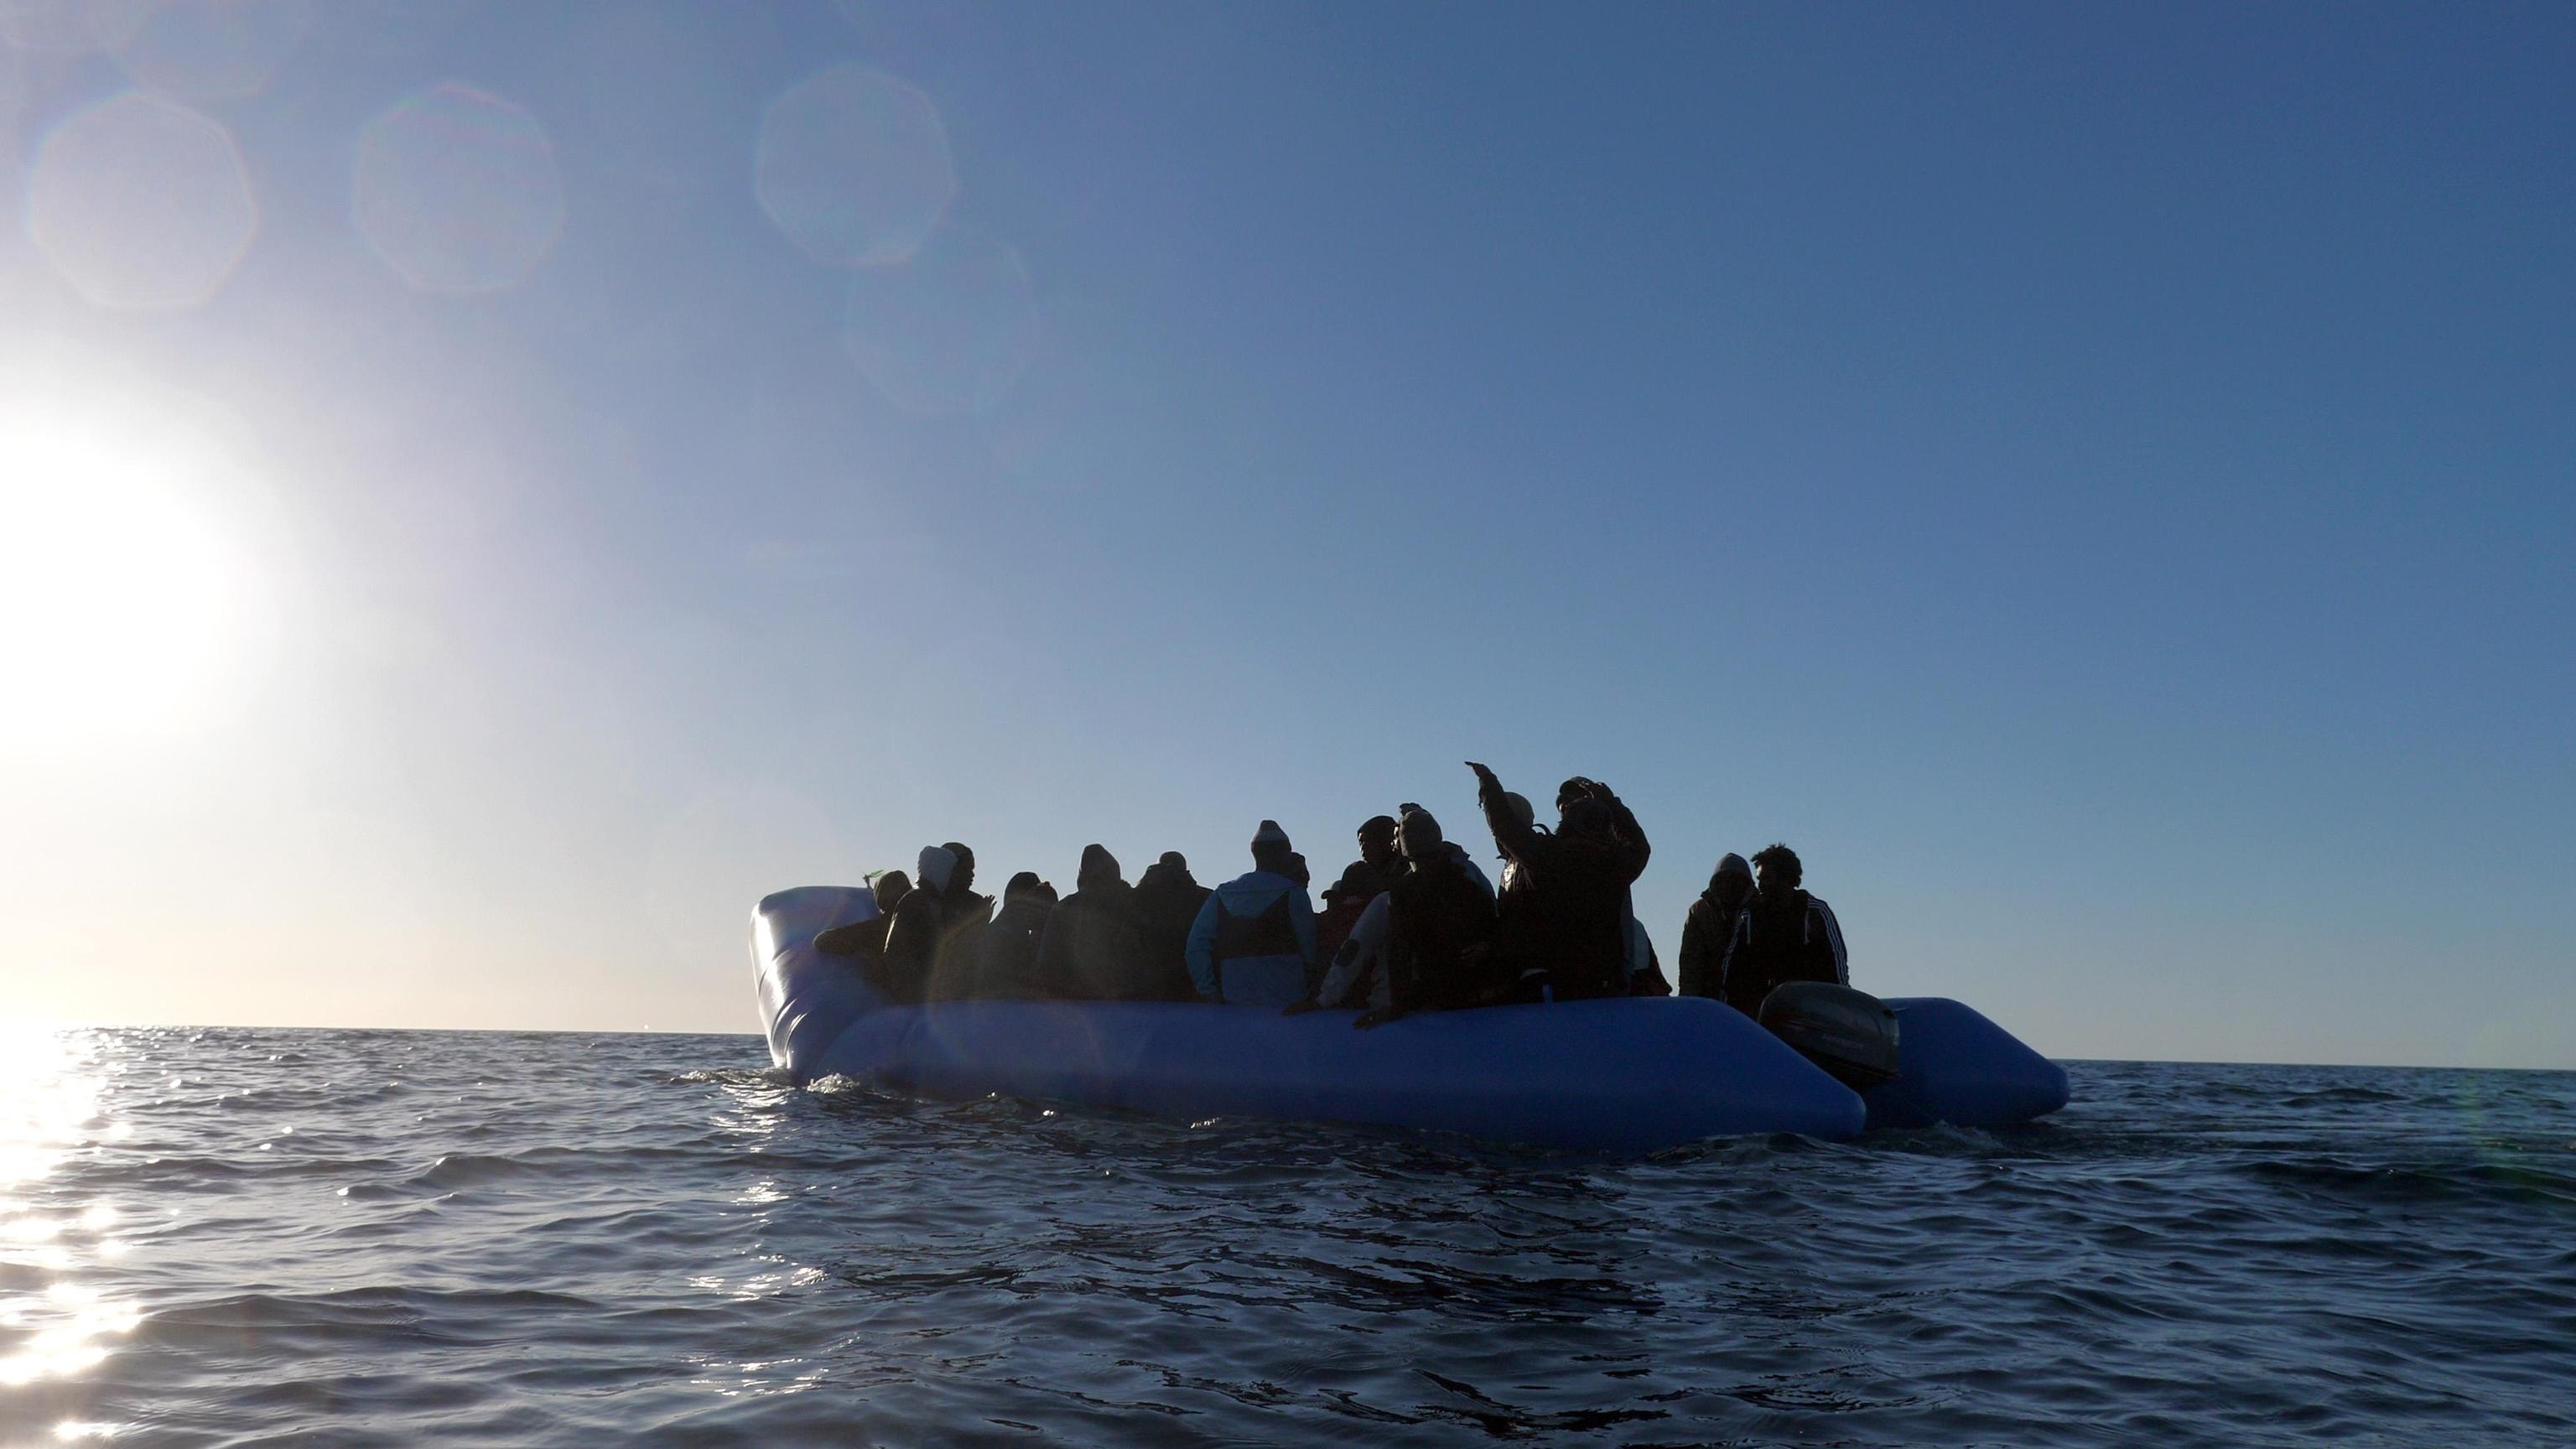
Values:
[(1851, 1034)]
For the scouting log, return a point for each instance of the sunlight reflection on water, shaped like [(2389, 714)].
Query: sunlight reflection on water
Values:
[(54, 1323)]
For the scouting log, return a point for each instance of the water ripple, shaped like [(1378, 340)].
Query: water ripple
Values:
[(522, 1239)]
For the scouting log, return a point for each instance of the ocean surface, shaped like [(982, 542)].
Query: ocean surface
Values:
[(359, 1238)]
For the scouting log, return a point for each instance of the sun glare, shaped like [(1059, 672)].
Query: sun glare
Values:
[(123, 599)]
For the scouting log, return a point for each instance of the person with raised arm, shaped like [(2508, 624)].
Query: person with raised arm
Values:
[(1568, 935)]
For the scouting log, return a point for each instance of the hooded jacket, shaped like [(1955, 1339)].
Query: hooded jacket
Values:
[(1092, 950), (1166, 901), (1796, 939), (1253, 942), (1564, 910), (1706, 932)]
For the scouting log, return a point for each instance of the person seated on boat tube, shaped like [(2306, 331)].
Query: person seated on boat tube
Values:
[(1254, 939), (1093, 950), (1783, 935), (1167, 903), (1361, 882), (1006, 963), (1641, 974), (1710, 925), (1426, 943), (866, 939), (1567, 936), (938, 930), (1440, 926)]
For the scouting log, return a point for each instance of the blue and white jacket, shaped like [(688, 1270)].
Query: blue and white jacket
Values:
[(1253, 942)]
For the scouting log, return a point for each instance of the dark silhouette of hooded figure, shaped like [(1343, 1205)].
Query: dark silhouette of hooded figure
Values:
[(1568, 936), (1167, 901), (866, 939), (1006, 965), (1092, 949), (938, 930), (1711, 925)]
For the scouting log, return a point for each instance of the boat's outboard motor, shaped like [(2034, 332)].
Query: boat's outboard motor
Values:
[(1851, 1034)]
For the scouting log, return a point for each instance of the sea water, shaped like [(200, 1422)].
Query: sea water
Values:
[(356, 1238)]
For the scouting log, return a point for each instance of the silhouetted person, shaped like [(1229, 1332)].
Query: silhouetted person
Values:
[(866, 939), (1167, 903), (1007, 963), (1093, 949), (1784, 935), (1254, 939), (1440, 926), (938, 930), (1710, 926), (1377, 846), (1362, 881), (1568, 932)]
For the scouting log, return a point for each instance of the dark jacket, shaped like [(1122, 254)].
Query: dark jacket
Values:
[(1567, 909), (932, 944), (1006, 966), (864, 940), (1796, 939), (1360, 884), (1092, 950), (1440, 938), (1167, 901), (1705, 934)]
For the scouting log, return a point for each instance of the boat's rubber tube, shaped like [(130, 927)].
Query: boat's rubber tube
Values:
[(1621, 1076), (1953, 1065)]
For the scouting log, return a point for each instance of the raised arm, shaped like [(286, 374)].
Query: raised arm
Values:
[(1509, 832)]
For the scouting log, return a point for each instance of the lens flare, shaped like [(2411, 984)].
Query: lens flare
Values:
[(142, 203), (458, 191), (853, 165)]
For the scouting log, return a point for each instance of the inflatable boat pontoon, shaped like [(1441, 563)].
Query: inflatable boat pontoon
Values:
[(1629, 1075)]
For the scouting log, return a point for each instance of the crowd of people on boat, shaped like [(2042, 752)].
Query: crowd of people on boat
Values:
[(1413, 924)]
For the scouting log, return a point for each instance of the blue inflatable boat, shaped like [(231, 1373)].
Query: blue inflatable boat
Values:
[(1630, 1075)]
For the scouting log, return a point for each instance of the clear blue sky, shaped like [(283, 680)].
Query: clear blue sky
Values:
[(2095, 479)]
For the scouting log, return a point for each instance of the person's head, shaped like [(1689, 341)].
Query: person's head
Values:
[(1099, 869), (1583, 815), (1360, 881), (891, 886), (1027, 886), (1732, 884), (1377, 840), (1172, 868), (1572, 790), (1777, 868), (1521, 808), (935, 868), (964, 880), (1419, 836), (1297, 870), (1270, 848)]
